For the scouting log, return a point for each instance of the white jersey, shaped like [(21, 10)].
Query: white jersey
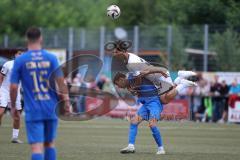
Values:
[(4, 89), (6, 71), (136, 63)]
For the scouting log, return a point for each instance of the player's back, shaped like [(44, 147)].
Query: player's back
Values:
[(34, 69), (146, 89)]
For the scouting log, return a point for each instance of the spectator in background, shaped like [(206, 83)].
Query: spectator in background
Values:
[(234, 87), (199, 94), (108, 86), (224, 93), (215, 92), (79, 100), (101, 81)]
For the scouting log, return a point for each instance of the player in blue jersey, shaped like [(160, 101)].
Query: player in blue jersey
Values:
[(151, 108), (34, 69)]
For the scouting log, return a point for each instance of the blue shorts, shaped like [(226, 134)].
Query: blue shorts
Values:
[(41, 131), (151, 109)]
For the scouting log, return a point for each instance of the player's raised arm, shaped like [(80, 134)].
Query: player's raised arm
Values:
[(153, 70)]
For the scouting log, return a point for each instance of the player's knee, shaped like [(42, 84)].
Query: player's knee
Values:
[(37, 148), (49, 144), (152, 123), (136, 120), (1, 111)]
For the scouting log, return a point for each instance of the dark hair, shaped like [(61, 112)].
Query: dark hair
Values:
[(118, 76), (33, 34)]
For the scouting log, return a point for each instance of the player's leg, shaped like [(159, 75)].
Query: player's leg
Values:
[(16, 115), (2, 110), (180, 84), (169, 96), (35, 136), (155, 109), (133, 129), (50, 132), (37, 151), (3, 105), (156, 135)]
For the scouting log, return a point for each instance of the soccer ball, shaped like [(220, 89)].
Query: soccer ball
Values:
[(113, 11)]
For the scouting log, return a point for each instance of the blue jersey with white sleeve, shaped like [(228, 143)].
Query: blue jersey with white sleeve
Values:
[(33, 68)]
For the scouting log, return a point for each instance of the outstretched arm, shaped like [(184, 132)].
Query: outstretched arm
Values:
[(145, 73)]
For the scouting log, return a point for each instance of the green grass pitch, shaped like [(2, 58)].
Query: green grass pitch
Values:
[(102, 139)]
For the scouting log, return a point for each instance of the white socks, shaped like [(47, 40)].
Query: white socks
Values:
[(131, 145), (15, 133), (160, 148)]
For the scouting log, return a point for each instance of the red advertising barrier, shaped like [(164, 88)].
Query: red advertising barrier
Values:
[(175, 110)]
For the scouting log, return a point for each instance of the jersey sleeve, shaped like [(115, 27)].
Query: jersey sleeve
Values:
[(16, 72), (4, 69), (57, 70)]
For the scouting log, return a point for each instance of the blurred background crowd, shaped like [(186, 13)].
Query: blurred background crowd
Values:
[(208, 102)]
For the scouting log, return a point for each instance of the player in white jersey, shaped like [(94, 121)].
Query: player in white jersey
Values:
[(167, 88), (5, 98)]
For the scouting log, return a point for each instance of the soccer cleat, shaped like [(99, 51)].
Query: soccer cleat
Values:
[(161, 151), (127, 150), (186, 74), (177, 80), (15, 140), (187, 83)]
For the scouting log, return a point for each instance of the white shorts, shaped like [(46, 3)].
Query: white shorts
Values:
[(5, 100)]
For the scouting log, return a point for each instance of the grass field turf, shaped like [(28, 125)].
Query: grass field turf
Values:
[(101, 139)]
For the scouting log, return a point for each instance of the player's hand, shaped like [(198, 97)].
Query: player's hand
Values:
[(67, 108)]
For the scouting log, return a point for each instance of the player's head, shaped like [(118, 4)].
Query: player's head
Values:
[(34, 35), (120, 80), (122, 46), (18, 53)]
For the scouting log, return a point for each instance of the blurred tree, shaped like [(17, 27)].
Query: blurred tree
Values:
[(178, 55), (17, 15), (227, 48)]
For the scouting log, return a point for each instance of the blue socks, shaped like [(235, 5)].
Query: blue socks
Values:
[(132, 133), (37, 156), (50, 153), (157, 136)]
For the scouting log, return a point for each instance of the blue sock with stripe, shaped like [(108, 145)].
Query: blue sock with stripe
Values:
[(157, 136), (50, 153), (132, 133), (37, 156)]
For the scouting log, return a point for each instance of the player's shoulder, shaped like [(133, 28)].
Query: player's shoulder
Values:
[(48, 54), (133, 58), (8, 63)]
